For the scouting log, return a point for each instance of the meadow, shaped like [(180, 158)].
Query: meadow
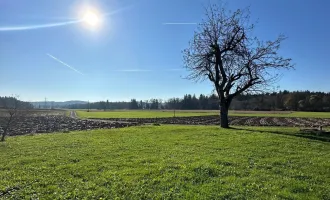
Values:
[(187, 113), (166, 162)]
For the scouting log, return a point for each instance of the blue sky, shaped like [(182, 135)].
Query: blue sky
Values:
[(134, 55)]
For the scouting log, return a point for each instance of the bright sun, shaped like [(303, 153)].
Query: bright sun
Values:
[(92, 19)]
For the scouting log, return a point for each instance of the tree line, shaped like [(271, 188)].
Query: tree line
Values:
[(8, 102), (282, 100)]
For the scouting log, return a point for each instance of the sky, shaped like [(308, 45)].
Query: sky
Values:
[(47, 51)]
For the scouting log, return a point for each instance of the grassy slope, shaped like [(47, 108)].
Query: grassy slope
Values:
[(166, 162), (151, 114)]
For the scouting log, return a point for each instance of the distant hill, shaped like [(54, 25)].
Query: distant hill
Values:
[(55, 104)]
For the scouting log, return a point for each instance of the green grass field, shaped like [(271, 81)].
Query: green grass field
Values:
[(166, 162), (183, 113), (141, 114)]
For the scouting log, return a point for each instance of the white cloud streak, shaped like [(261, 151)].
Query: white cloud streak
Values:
[(119, 10), (132, 70), (175, 69), (31, 27), (49, 25), (63, 63), (180, 23), (147, 70)]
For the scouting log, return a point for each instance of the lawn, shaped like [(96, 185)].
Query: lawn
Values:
[(184, 113), (166, 162)]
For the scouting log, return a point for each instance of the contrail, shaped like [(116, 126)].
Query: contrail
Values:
[(146, 70), (39, 26), (21, 28), (180, 23), (133, 70), (175, 69), (118, 10), (63, 63)]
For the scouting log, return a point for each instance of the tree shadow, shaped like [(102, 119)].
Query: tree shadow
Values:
[(313, 135)]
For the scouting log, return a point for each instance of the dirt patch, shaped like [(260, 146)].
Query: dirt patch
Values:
[(233, 120), (57, 123)]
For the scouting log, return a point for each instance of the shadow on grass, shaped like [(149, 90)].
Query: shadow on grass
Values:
[(320, 136)]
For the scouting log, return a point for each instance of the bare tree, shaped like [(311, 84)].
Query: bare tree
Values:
[(224, 51), (12, 109)]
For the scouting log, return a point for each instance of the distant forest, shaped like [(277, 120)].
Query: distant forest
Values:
[(282, 100), (12, 102)]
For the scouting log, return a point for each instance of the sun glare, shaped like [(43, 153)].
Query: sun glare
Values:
[(91, 18)]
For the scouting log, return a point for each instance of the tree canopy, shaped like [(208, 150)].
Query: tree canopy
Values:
[(225, 51)]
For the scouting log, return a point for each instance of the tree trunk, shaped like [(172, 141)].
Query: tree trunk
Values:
[(3, 135), (224, 123)]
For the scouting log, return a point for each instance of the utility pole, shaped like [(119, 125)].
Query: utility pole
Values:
[(45, 103), (174, 107), (88, 106), (276, 90)]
